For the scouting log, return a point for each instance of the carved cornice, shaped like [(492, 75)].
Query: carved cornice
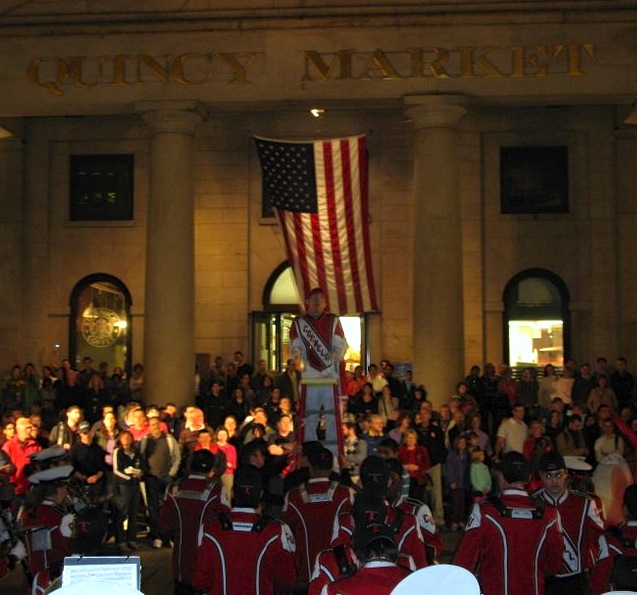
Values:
[(410, 13)]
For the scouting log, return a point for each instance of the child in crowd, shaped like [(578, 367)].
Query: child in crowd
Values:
[(479, 474)]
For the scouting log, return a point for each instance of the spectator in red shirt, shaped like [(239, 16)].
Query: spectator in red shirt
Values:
[(140, 427), (19, 448), (536, 432)]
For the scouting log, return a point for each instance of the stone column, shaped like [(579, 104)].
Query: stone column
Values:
[(169, 321), (38, 278), (438, 333)]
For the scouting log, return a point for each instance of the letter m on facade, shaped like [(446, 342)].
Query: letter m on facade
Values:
[(339, 66)]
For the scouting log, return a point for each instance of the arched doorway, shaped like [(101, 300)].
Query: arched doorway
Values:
[(271, 327), (536, 325), (100, 321)]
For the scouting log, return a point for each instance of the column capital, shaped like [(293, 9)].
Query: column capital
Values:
[(435, 111), (171, 116)]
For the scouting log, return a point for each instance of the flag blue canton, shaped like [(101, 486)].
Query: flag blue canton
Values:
[(289, 180)]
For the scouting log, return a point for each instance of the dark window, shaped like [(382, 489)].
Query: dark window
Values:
[(101, 187), (534, 179)]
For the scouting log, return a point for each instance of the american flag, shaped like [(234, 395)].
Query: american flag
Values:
[(319, 193)]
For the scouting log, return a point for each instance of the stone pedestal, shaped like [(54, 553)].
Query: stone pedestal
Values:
[(169, 323), (438, 334)]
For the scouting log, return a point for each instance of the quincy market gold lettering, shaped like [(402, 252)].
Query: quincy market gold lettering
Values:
[(443, 63), (57, 75), (121, 70)]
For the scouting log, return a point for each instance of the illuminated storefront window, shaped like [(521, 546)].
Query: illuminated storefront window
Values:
[(536, 342), (536, 320)]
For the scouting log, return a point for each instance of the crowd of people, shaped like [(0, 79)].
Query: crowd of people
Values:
[(230, 464)]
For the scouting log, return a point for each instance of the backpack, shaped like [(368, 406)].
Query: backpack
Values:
[(345, 568), (257, 526), (624, 572), (517, 513)]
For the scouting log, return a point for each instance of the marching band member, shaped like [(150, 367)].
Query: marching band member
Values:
[(318, 340), (265, 564), (48, 525), (195, 503)]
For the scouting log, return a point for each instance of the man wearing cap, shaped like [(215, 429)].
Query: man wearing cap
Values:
[(48, 523), (311, 509), (19, 448), (243, 551), (196, 502), (582, 526), (511, 542), (318, 340), (376, 556), (375, 478), (88, 461)]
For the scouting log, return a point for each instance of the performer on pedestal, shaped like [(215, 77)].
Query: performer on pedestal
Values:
[(317, 339)]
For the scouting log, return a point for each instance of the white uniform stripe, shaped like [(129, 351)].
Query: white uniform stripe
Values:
[(260, 561), (505, 550)]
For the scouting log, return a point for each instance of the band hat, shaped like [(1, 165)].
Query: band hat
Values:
[(51, 475), (321, 458), (84, 427), (574, 463), (368, 509), (514, 467), (310, 446), (364, 535), (552, 461), (439, 578), (48, 454), (374, 475), (202, 461), (247, 488)]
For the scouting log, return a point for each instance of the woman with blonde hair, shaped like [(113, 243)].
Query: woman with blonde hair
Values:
[(415, 459)]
